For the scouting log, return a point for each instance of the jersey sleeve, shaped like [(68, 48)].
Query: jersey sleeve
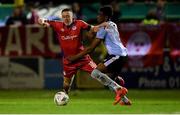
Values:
[(52, 23), (101, 33), (84, 25)]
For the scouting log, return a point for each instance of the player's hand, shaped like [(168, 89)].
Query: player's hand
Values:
[(95, 28), (71, 59), (41, 21)]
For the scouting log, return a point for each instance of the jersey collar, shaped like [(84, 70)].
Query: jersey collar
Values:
[(73, 22)]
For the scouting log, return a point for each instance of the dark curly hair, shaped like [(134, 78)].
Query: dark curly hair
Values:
[(107, 10)]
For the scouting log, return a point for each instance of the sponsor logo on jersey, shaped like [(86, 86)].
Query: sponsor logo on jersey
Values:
[(68, 37), (74, 28)]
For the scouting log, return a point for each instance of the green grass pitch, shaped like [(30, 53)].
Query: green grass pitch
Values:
[(88, 102)]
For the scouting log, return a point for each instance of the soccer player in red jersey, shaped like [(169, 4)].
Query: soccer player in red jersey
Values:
[(69, 32)]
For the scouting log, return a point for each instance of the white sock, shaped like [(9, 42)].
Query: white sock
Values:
[(105, 80), (125, 99)]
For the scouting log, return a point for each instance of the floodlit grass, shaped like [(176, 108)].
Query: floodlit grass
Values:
[(88, 102)]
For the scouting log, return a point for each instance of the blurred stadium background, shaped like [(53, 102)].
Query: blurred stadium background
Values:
[(30, 58)]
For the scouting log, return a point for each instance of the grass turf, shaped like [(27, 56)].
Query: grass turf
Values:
[(88, 102)]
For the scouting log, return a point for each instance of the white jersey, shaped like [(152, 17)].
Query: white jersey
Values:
[(112, 40)]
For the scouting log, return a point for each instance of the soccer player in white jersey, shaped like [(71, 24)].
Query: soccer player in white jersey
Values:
[(117, 55)]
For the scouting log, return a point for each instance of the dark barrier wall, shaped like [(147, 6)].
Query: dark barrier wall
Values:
[(159, 67), (28, 41), (166, 75)]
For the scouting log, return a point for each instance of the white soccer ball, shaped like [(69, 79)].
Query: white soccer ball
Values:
[(61, 98)]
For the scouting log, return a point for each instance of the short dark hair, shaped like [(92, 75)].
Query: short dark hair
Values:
[(66, 9), (107, 10)]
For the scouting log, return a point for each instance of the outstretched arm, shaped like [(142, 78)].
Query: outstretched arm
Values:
[(96, 28), (87, 50)]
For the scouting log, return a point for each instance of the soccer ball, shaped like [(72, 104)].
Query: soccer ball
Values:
[(61, 98)]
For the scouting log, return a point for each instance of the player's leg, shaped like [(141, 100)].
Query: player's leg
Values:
[(90, 68), (125, 101), (99, 75), (118, 79), (67, 84), (103, 78), (69, 72), (114, 65)]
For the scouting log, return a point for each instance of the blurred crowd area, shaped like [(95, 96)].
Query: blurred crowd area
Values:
[(22, 12)]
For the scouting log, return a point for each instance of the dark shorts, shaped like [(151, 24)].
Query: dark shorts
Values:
[(115, 63)]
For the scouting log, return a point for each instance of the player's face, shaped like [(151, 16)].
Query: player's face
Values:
[(67, 17), (100, 17)]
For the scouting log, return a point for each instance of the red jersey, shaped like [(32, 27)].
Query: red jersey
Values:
[(70, 38)]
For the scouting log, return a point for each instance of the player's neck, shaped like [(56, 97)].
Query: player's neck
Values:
[(69, 25)]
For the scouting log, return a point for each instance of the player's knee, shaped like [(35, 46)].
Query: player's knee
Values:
[(95, 73)]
